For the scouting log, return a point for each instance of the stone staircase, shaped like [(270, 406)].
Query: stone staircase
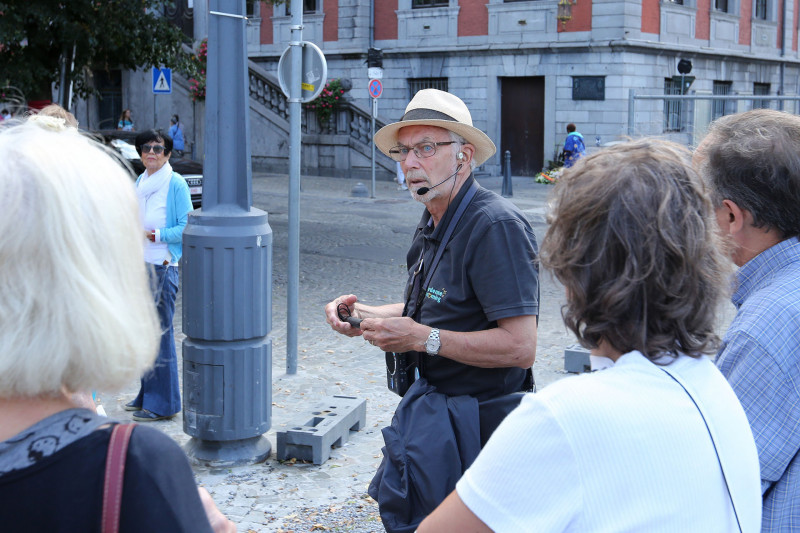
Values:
[(342, 147)]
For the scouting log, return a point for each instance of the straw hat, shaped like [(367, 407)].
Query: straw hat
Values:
[(431, 107)]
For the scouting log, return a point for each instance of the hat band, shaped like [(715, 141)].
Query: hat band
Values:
[(426, 114)]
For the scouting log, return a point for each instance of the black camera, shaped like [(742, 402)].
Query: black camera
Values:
[(401, 371)]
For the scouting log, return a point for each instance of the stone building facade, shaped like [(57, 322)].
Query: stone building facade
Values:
[(525, 75)]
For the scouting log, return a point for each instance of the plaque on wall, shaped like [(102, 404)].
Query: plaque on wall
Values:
[(588, 87)]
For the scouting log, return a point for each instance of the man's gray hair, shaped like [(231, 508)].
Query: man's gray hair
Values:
[(753, 160)]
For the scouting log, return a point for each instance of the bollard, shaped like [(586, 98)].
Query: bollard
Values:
[(507, 188)]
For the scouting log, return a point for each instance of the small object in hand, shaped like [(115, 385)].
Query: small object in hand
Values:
[(344, 315)]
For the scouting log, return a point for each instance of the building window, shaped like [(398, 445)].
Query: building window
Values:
[(673, 109), (761, 9), (761, 89), (721, 5), (417, 84), (309, 6), (415, 4), (722, 107), (679, 2)]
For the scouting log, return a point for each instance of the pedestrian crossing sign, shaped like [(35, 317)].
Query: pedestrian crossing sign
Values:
[(162, 80)]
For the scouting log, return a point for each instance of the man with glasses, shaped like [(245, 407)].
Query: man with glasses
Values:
[(471, 302)]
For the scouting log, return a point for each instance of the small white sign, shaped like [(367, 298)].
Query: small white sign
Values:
[(375, 73), (375, 107)]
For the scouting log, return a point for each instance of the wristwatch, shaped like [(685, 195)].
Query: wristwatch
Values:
[(433, 344)]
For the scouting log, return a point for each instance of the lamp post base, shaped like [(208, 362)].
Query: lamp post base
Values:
[(222, 454)]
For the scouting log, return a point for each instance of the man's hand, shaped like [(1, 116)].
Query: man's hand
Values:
[(332, 315), (400, 334)]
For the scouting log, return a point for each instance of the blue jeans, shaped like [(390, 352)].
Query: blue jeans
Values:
[(160, 392)]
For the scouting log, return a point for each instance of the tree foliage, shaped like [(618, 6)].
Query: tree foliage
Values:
[(104, 34)]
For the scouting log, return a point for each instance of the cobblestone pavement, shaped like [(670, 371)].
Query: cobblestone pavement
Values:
[(347, 245)]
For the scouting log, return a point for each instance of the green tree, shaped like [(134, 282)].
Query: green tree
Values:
[(102, 34)]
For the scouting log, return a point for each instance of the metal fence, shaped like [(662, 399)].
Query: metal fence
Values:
[(685, 118)]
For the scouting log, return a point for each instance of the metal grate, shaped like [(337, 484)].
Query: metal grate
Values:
[(429, 3), (673, 109), (722, 107), (761, 89), (417, 84)]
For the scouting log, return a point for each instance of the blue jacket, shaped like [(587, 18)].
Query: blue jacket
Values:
[(176, 132), (179, 204)]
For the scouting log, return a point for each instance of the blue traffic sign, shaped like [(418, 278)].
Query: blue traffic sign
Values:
[(162, 80), (375, 88)]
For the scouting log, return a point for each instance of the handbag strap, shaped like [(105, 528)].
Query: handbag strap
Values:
[(713, 443), (115, 473)]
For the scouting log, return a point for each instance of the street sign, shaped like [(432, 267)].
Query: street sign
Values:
[(375, 73), (162, 80), (375, 88), (314, 72)]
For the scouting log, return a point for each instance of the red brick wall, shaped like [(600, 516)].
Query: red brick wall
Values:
[(581, 17), (330, 27), (385, 19), (651, 16), (702, 25), (745, 14), (266, 24), (473, 18)]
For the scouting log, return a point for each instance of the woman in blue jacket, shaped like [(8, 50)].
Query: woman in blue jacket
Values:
[(164, 203)]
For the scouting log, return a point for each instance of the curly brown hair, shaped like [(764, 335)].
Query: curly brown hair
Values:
[(633, 239)]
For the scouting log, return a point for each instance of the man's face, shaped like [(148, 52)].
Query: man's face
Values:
[(427, 171)]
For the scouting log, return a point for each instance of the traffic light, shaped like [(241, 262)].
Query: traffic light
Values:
[(375, 57)]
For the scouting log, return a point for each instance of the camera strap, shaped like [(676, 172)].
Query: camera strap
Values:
[(418, 291)]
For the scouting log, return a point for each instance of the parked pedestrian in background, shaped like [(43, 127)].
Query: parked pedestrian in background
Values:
[(76, 314), (164, 203), (574, 147), (751, 162), (125, 121), (658, 442), (5, 115), (176, 132)]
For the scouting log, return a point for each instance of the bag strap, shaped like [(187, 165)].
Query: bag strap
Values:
[(115, 473), (713, 442)]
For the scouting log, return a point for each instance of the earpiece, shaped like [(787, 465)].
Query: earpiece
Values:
[(460, 156)]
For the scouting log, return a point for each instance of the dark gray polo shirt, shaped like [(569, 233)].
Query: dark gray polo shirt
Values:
[(488, 271)]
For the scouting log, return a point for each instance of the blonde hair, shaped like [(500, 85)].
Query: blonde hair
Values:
[(76, 310)]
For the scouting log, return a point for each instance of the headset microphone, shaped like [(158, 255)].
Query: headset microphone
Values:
[(422, 191)]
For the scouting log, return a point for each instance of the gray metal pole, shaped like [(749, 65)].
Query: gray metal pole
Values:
[(372, 136), (227, 271), (292, 296)]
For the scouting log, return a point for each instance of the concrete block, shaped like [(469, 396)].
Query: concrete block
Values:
[(330, 425), (576, 359)]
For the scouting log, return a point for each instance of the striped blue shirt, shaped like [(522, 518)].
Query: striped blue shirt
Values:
[(760, 356)]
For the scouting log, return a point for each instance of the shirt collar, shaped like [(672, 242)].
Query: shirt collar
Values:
[(759, 270)]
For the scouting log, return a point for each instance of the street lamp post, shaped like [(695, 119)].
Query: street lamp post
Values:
[(227, 271)]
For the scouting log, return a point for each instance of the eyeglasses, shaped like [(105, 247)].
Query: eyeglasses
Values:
[(156, 148), (421, 150)]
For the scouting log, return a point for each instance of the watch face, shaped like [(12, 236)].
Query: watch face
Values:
[(432, 344)]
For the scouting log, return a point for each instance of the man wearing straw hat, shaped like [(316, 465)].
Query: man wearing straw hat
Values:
[(467, 323)]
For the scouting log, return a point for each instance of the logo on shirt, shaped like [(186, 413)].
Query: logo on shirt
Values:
[(436, 294)]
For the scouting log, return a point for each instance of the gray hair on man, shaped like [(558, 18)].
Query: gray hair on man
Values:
[(76, 310)]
